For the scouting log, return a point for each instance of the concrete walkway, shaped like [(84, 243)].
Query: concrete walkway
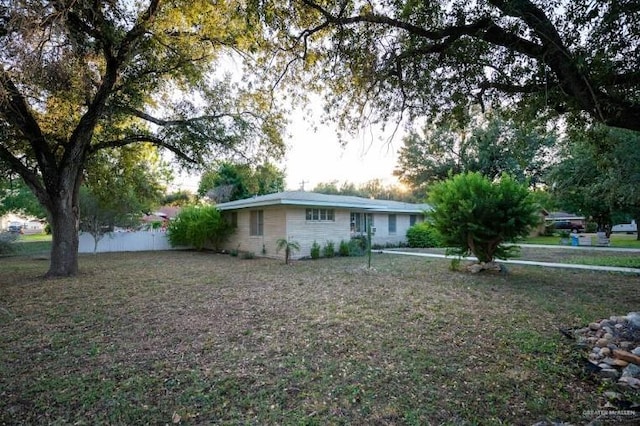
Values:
[(534, 263)]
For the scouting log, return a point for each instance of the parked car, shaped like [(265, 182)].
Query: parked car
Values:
[(569, 225), (15, 228), (629, 228)]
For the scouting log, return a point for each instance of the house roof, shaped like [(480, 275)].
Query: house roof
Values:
[(314, 199), (563, 216)]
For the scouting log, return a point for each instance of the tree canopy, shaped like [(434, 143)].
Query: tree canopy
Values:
[(389, 59), (79, 77), (599, 175), (489, 145), (229, 181)]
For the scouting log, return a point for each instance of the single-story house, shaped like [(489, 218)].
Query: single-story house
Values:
[(305, 217)]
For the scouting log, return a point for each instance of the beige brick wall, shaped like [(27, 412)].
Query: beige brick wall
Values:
[(290, 222), (306, 232), (274, 228)]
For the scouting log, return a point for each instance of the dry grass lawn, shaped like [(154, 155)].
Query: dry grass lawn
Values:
[(201, 338)]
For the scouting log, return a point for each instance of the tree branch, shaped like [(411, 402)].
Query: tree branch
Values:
[(119, 143)]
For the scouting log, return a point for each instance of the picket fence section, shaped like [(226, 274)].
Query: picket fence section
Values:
[(126, 241)]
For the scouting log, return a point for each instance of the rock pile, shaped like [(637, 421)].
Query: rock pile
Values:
[(614, 348)]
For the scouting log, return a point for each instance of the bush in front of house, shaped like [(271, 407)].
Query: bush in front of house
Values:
[(343, 249), (329, 249), (197, 226), (422, 235), (315, 250)]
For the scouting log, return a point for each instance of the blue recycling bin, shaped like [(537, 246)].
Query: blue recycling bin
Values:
[(575, 240)]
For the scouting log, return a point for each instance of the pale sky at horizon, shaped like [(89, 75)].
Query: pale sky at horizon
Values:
[(314, 155)]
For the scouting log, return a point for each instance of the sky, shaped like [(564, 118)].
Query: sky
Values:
[(314, 155)]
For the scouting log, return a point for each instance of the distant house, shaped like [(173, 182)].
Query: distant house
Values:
[(27, 224), (306, 217), (163, 215)]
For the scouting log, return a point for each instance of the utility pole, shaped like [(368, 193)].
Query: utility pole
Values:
[(302, 182)]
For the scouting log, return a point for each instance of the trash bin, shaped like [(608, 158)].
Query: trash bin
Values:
[(575, 240)]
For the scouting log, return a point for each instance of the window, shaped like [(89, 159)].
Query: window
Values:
[(360, 222), (231, 218), (413, 219), (392, 223), (320, 215), (256, 226)]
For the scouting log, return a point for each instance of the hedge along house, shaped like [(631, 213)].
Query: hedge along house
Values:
[(305, 217)]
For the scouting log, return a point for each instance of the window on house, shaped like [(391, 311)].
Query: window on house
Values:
[(231, 218), (392, 223), (256, 226), (320, 215), (413, 219)]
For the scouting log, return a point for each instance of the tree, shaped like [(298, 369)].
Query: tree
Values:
[(79, 77), (473, 214), (235, 181), (386, 59), (373, 188), (288, 246), (15, 196), (599, 175), (197, 226), (98, 217), (490, 147)]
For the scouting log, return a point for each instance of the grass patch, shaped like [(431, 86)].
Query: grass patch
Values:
[(617, 240), (619, 261), (205, 339)]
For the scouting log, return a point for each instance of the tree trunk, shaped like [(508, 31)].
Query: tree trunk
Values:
[(64, 219)]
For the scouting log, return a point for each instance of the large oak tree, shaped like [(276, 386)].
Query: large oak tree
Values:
[(81, 76), (394, 59)]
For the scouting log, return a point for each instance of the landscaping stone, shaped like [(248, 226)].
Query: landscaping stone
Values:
[(631, 370), (634, 319), (613, 347), (609, 373)]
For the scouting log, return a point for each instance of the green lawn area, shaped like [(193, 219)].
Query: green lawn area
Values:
[(617, 240), (33, 245), (200, 338)]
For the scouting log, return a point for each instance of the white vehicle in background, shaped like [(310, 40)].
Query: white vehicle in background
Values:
[(629, 228)]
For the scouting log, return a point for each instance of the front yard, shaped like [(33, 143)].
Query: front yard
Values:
[(185, 337)]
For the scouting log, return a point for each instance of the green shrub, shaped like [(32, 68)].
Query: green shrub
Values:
[(476, 215), (549, 229), (343, 249), (423, 235), (357, 246), (6, 240), (288, 246), (591, 227), (47, 229), (196, 226), (315, 250), (329, 249), (248, 255)]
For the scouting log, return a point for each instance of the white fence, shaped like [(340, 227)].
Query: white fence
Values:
[(126, 241)]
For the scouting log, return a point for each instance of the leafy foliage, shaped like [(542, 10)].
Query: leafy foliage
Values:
[(329, 249), (599, 176), (235, 181), (197, 226), (373, 188), (423, 234), (315, 250), (15, 196), (475, 215), (87, 77), (288, 246), (6, 240), (490, 145), (385, 60), (99, 217)]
